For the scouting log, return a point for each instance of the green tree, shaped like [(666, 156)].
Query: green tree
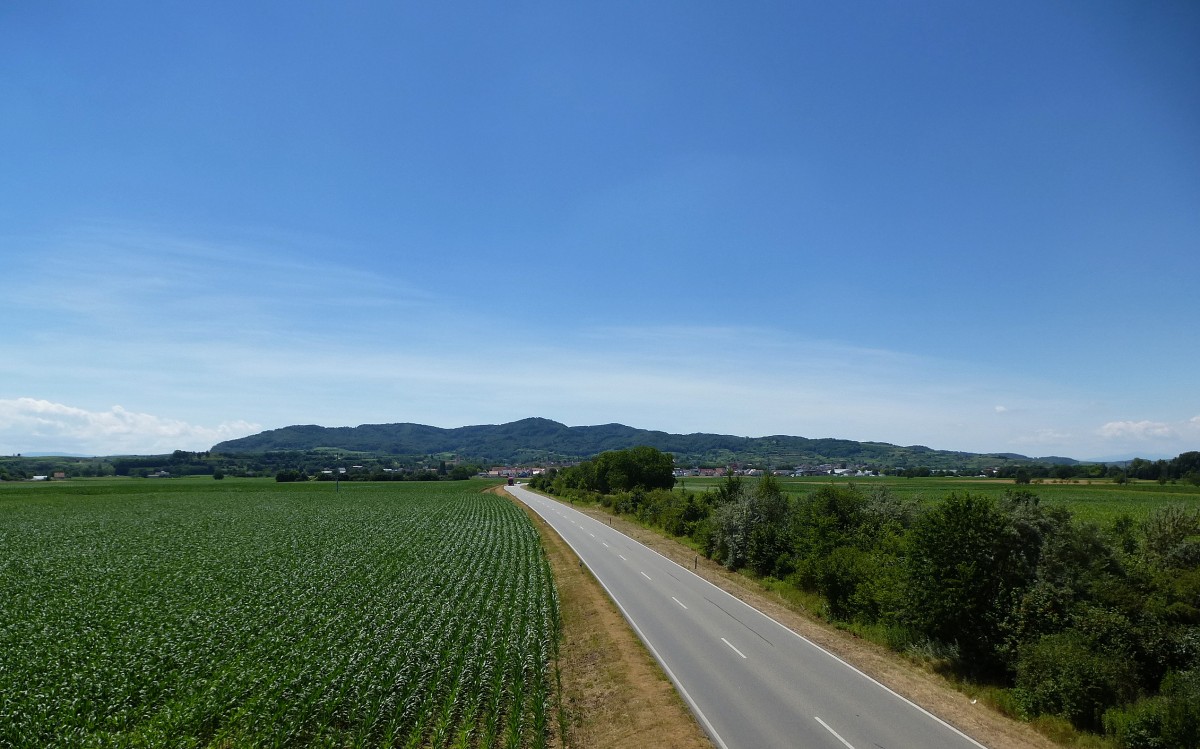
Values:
[(956, 575), (1169, 538), (729, 490), (768, 540), (638, 467), (751, 527)]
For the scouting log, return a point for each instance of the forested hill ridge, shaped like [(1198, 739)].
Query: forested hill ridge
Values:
[(542, 440)]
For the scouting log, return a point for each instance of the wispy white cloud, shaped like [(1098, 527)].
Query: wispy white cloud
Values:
[(236, 332), (748, 382), (142, 283), (1138, 430), (30, 425)]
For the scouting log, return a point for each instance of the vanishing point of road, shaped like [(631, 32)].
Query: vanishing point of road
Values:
[(752, 682)]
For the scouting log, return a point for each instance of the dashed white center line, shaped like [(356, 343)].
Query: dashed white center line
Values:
[(593, 535), (835, 733), (645, 576), (623, 559), (605, 544), (731, 647), (676, 600)]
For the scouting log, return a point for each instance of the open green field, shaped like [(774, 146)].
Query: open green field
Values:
[(1099, 501), (201, 613)]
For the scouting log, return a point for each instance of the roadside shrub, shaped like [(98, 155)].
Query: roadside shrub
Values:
[(1064, 674), (1138, 726), (839, 576), (704, 534), (1171, 719)]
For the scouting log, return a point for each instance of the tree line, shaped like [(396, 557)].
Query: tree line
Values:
[(1098, 626), (292, 465)]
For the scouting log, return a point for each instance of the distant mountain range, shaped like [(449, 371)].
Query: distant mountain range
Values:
[(542, 440)]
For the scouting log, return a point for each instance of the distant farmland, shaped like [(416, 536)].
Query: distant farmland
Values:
[(1099, 500), (247, 613)]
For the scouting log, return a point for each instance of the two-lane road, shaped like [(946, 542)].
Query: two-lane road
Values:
[(752, 682)]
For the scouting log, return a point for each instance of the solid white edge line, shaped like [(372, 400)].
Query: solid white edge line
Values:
[(683, 692), (676, 600), (835, 733), (848, 665), (731, 647)]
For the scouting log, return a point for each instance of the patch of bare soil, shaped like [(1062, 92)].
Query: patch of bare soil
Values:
[(614, 693)]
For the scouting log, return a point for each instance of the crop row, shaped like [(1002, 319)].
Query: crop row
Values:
[(274, 616)]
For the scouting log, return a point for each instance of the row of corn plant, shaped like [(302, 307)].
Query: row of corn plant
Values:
[(259, 614)]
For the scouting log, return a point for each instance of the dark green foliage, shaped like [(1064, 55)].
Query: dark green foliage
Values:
[(1171, 719), (642, 467), (676, 513), (959, 568), (1074, 676), (826, 527), (638, 467)]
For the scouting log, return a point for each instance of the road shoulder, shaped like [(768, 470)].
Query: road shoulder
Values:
[(614, 693)]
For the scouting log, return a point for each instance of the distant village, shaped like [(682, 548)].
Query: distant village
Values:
[(827, 469)]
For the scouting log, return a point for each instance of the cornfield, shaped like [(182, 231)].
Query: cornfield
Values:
[(182, 614)]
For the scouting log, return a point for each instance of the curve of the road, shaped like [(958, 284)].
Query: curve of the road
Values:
[(751, 682)]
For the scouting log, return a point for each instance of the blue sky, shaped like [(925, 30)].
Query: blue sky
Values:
[(970, 226)]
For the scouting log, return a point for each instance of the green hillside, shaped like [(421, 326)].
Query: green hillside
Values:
[(535, 439)]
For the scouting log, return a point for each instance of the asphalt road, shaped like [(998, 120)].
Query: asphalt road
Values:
[(752, 682)]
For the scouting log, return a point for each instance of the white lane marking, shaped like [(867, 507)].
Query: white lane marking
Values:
[(731, 647), (623, 557), (593, 535), (605, 544), (835, 733), (708, 727), (676, 600), (645, 576)]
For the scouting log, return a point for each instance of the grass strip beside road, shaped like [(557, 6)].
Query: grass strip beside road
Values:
[(614, 693)]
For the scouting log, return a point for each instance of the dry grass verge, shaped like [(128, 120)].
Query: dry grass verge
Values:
[(614, 693)]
